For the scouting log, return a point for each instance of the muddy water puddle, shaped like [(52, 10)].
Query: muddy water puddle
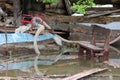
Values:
[(67, 67)]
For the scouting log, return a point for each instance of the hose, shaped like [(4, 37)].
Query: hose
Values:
[(41, 27)]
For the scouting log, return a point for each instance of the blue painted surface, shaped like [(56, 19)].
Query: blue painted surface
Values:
[(22, 37)]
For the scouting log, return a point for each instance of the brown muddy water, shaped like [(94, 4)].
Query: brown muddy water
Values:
[(65, 67)]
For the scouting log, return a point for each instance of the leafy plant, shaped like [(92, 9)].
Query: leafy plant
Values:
[(53, 2), (81, 6)]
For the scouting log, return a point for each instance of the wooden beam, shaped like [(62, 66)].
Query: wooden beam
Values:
[(104, 13), (85, 73), (9, 78), (77, 19), (17, 13)]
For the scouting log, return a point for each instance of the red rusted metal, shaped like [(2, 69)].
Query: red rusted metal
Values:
[(28, 18)]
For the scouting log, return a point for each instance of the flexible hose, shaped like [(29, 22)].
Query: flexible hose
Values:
[(41, 27)]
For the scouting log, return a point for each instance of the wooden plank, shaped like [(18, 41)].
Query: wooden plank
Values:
[(90, 46), (46, 31), (22, 78), (42, 32), (9, 78), (75, 19), (100, 31), (102, 14), (7, 29), (16, 12), (85, 73)]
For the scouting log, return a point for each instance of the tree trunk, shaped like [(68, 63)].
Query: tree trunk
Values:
[(17, 13)]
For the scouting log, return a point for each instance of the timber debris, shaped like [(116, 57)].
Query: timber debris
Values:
[(85, 73), (102, 14)]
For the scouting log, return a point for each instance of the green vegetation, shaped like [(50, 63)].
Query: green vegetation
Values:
[(53, 2), (81, 6)]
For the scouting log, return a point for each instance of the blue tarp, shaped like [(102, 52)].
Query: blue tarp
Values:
[(22, 37)]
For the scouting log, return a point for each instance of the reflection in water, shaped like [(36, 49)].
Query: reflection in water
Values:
[(24, 65), (41, 28), (115, 49), (110, 77), (118, 52), (115, 60), (113, 74)]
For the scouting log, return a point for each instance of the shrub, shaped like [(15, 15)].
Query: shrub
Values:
[(81, 6), (53, 2)]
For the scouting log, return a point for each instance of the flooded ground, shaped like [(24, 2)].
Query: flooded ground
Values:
[(65, 67), (23, 64), (21, 59)]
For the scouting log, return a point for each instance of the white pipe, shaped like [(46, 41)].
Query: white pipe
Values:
[(41, 28), (115, 40)]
